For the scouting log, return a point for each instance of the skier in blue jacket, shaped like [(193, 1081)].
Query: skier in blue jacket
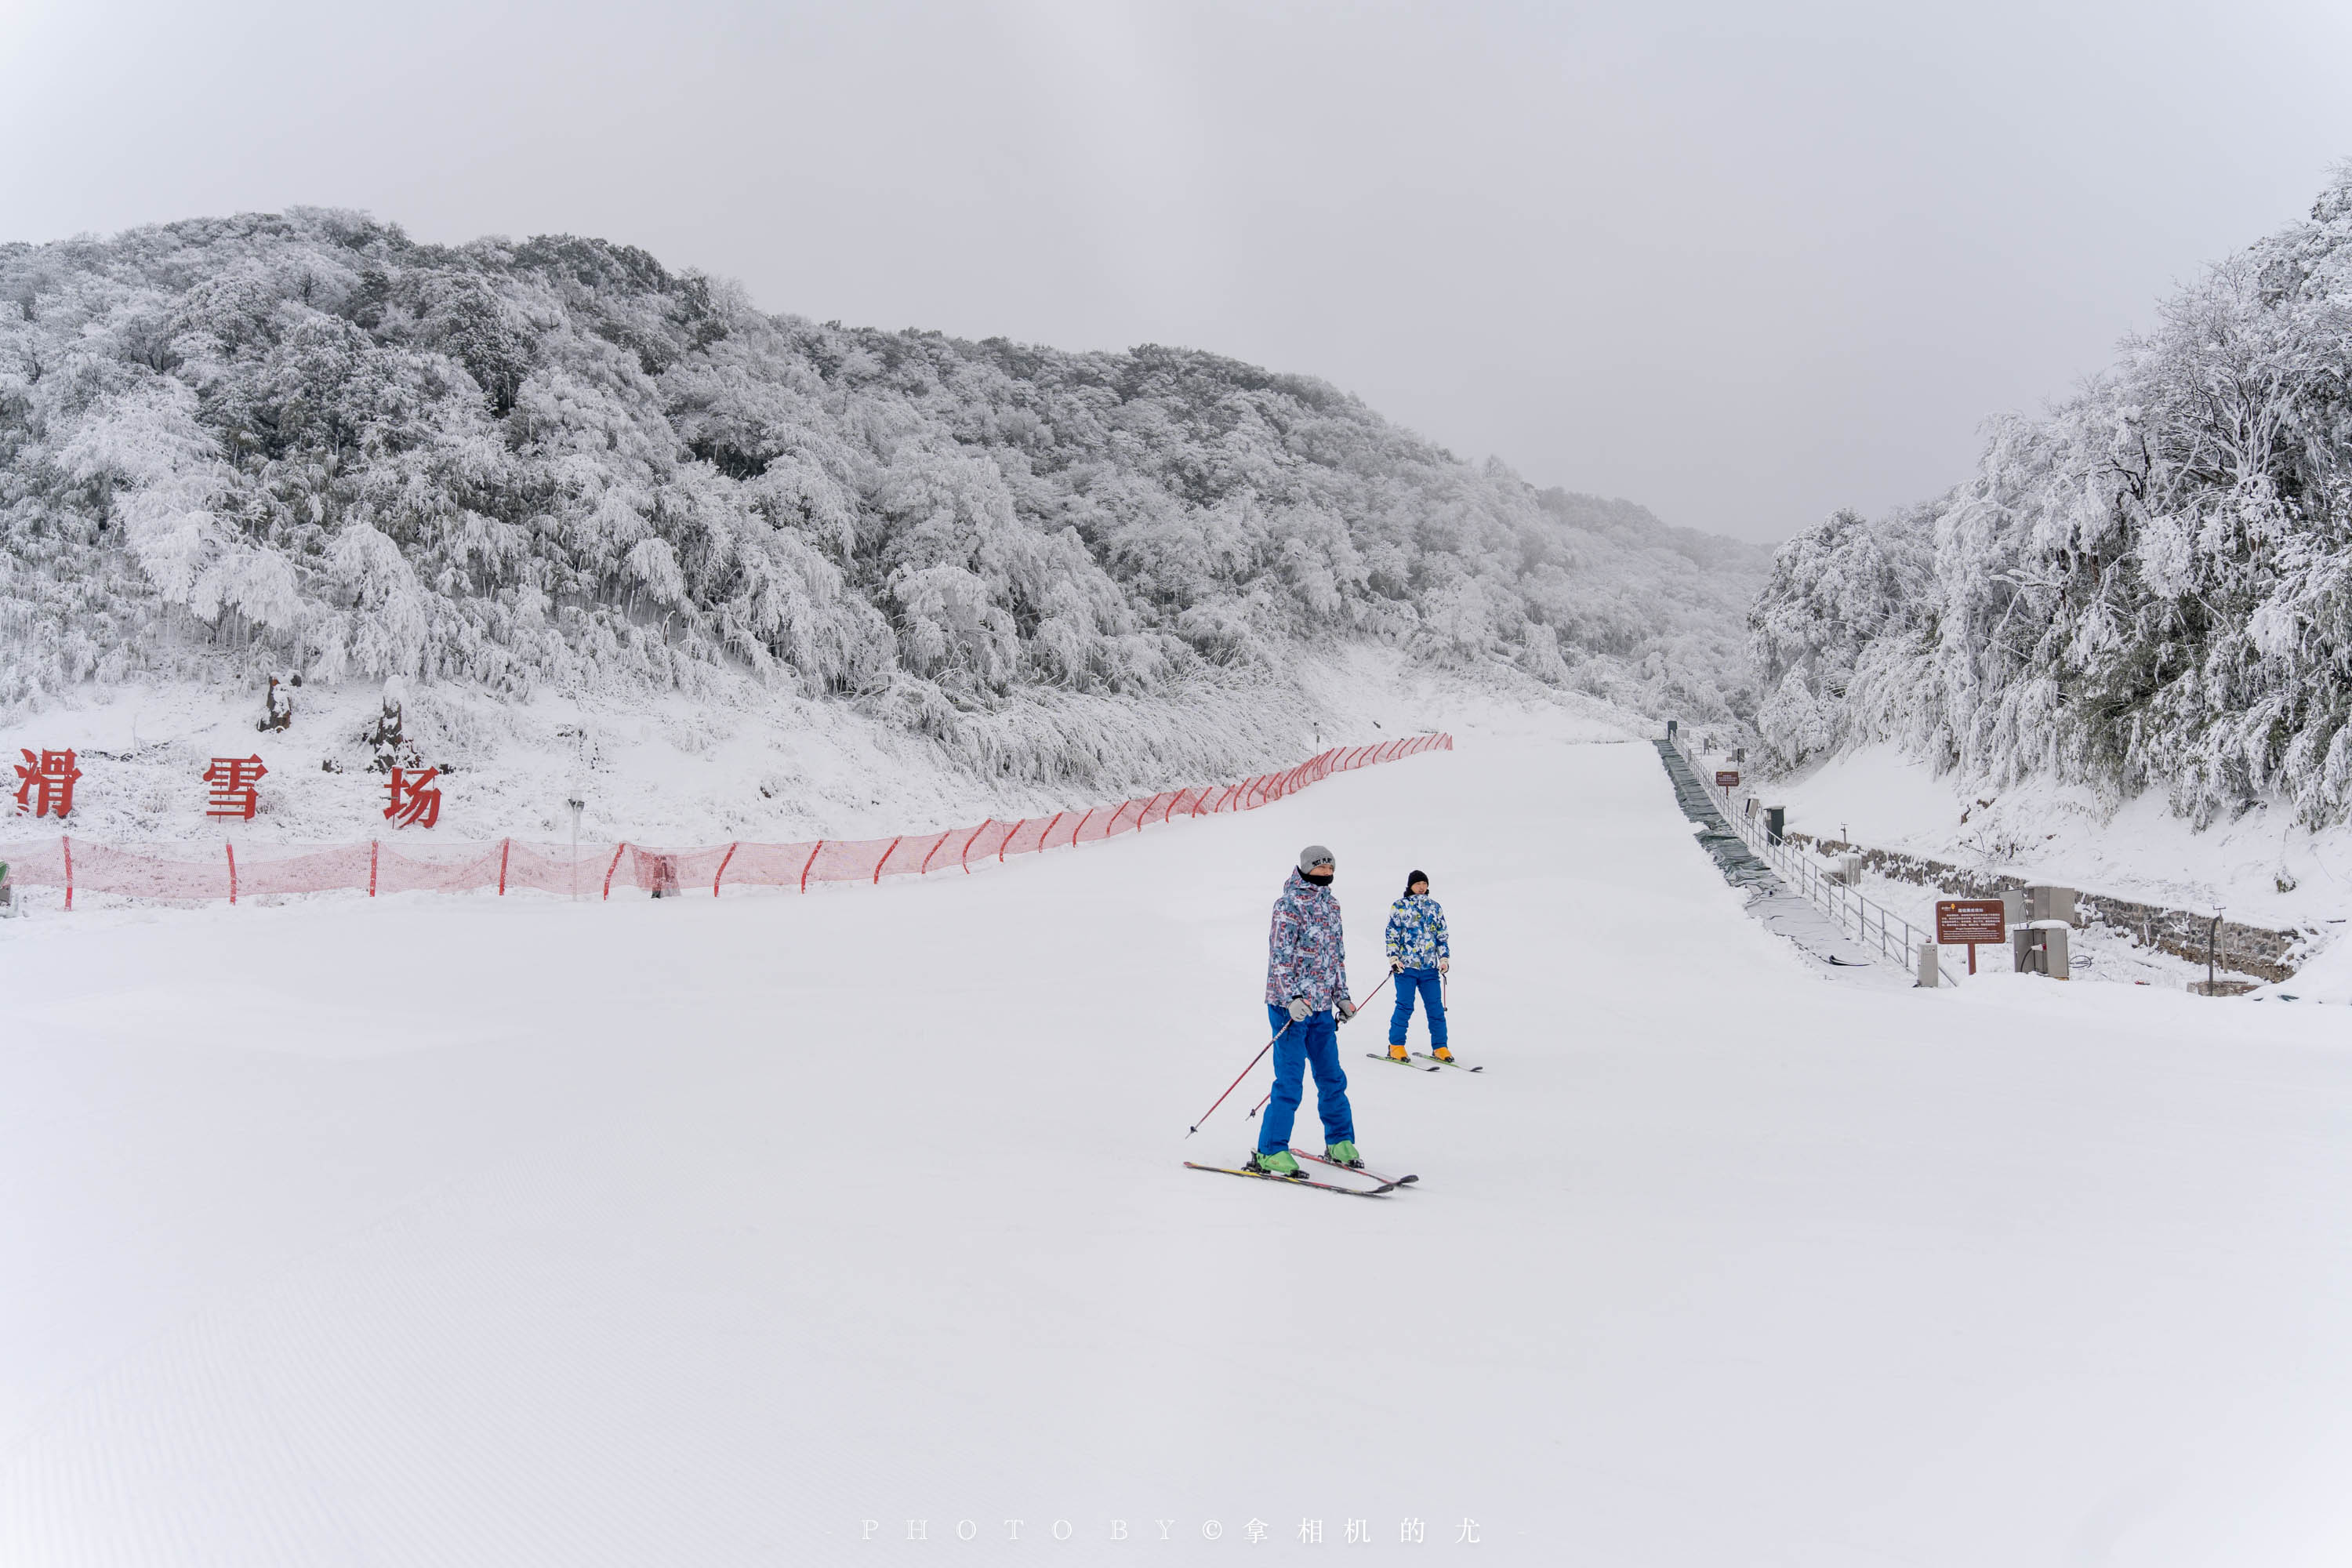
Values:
[(1306, 1001), (1420, 955)]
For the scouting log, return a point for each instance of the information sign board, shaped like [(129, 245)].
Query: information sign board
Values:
[(1727, 778), (1969, 921)]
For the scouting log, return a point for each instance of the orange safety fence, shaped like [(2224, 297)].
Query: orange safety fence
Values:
[(249, 870)]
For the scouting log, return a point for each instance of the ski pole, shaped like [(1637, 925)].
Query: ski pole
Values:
[(1269, 1093), (1238, 1082)]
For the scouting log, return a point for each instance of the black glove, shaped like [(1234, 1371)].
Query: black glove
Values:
[(1396, 966), (1298, 1009), (1342, 1009)]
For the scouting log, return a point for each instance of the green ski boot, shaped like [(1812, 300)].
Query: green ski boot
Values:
[(1343, 1153), (1278, 1163)]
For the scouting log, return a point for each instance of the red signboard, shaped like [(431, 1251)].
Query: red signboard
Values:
[(1969, 922), (1727, 778)]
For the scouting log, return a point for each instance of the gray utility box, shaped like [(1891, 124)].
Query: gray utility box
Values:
[(1776, 821), (2047, 902), (2039, 947)]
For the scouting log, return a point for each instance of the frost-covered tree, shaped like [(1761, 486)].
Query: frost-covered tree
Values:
[(2150, 587), (303, 442)]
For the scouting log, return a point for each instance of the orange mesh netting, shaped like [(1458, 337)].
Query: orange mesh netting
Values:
[(235, 871)]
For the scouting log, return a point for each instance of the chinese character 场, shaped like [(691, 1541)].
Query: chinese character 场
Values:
[(47, 782), (414, 798), (233, 779)]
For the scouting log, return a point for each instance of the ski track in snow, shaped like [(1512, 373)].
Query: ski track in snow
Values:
[(454, 1232)]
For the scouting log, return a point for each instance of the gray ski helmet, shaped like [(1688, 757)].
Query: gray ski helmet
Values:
[(1314, 855)]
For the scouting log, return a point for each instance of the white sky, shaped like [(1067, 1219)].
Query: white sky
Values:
[(1743, 264)]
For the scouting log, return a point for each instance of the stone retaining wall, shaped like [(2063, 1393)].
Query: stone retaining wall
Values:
[(2258, 951)]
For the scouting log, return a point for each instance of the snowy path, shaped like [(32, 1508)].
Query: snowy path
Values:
[(695, 1233)]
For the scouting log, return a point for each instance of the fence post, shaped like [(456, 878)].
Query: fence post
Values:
[(372, 852), (969, 842), (618, 850), (1082, 823), (807, 863), (68, 842), (723, 868), (231, 848), (1008, 837), (506, 847), (886, 859), (925, 869)]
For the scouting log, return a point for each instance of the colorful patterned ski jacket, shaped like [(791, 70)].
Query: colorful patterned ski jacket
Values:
[(1307, 952), (1417, 932)]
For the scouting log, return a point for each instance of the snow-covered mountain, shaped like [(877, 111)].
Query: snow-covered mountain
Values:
[(304, 444), (2147, 588)]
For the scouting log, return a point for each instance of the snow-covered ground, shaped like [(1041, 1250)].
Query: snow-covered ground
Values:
[(462, 1231), (1877, 796), (668, 770), (2257, 869)]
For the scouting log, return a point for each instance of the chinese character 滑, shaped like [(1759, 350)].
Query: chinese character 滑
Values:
[(412, 796), (233, 779), (49, 780)]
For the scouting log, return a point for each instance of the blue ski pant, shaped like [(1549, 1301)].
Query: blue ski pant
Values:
[(1431, 988), (1312, 1042)]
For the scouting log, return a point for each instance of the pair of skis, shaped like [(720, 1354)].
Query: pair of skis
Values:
[(1435, 1062), (1387, 1183)]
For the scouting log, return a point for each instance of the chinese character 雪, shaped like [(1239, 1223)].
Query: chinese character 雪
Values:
[(233, 779)]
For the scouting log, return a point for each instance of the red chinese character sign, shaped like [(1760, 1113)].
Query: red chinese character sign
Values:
[(233, 779), (1727, 778), (46, 783), (414, 803)]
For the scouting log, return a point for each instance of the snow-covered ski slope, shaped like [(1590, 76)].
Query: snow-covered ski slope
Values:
[(453, 1231)]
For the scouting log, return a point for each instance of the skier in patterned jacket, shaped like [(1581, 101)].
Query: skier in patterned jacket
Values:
[(1306, 1001), (1419, 955)]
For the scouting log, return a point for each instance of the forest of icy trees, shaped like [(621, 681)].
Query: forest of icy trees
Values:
[(303, 442), (2150, 587)]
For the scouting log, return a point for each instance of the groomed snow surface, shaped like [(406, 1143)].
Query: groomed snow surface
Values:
[(461, 1231)]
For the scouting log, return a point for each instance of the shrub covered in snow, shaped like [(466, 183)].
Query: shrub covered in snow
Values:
[(2150, 587), (303, 442)]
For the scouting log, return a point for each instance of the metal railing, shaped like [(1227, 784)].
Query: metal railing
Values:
[(1867, 921)]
